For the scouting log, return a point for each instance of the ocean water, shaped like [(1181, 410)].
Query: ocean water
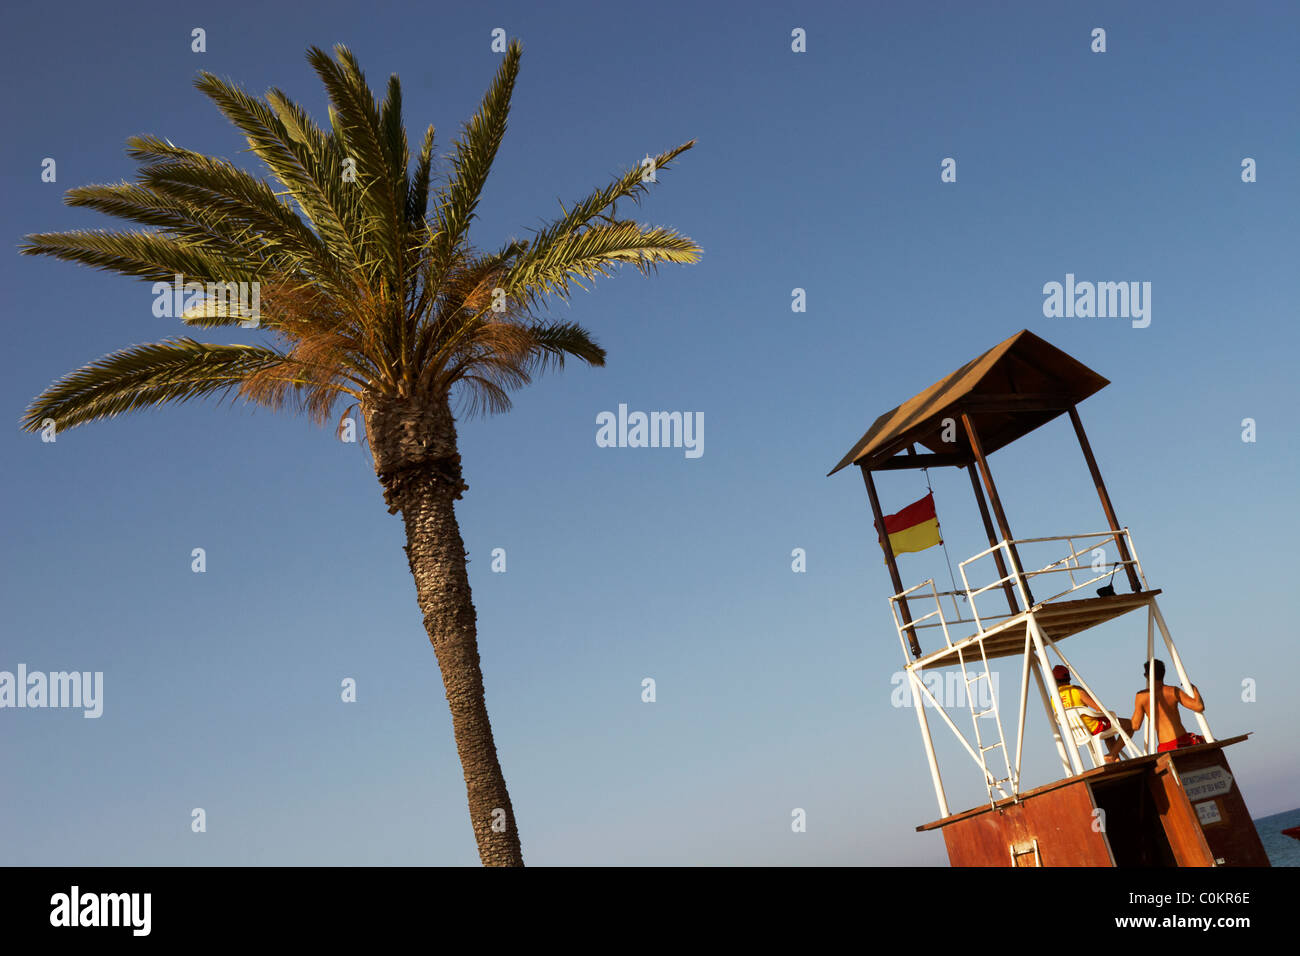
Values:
[(1282, 850)]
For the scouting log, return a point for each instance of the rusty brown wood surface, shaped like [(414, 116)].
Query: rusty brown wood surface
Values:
[(1061, 820), (1233, 839)]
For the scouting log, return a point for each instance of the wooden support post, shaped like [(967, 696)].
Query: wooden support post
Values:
[(1105, 501), (1007, 589), (996, 502), (912, 642)]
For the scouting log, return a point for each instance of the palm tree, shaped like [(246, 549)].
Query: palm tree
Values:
[(371, 292)]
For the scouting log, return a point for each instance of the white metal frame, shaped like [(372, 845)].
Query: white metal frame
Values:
[(1035, 663), (1085, 739)]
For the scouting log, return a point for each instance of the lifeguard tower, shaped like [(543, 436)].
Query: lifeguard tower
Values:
[(1177, 808)]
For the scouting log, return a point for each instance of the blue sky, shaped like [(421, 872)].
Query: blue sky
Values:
[(817, 170)]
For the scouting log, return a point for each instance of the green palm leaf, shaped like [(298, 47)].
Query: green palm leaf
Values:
[(146, 376), (306, 160), (549, 268), (375, 278), (475, 150), (145, 255)]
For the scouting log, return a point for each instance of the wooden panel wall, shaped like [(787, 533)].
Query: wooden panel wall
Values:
[(1178, 817), (1060, 819), (1231, 840)]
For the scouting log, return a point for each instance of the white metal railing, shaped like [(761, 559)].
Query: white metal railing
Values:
[(1005, 786), (916, 622), (1070, 565), (1037, 645), (944, 621)]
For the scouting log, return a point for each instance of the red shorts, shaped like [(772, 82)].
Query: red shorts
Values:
[(1102, 726), (1186, 740)]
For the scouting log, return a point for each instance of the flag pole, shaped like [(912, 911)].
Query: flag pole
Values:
[(890, 560)]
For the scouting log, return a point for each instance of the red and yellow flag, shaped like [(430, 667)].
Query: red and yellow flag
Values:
[(915, 528)]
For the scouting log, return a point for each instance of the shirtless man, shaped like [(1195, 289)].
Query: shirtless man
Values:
[(1169, 728)]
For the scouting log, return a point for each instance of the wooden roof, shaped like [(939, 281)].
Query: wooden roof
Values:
[(1013, 388)]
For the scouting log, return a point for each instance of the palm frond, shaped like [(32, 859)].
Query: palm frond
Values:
[(194, 218), (392, 132), (145, 376), (556, 341), (218, 187), (497, 358), (417, 197), (631, 185), (475, 150), (144, 255), (380, 162), (304, 159), (368, 284), (479, 395), (598, 250)]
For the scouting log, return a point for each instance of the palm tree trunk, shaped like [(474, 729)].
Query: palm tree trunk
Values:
[(417, 463)]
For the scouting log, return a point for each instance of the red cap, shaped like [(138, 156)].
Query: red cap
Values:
[(1061, 672)]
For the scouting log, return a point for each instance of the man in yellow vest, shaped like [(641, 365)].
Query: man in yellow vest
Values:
[(1072, 696)]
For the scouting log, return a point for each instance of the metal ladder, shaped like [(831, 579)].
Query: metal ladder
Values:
[(991, 782)]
